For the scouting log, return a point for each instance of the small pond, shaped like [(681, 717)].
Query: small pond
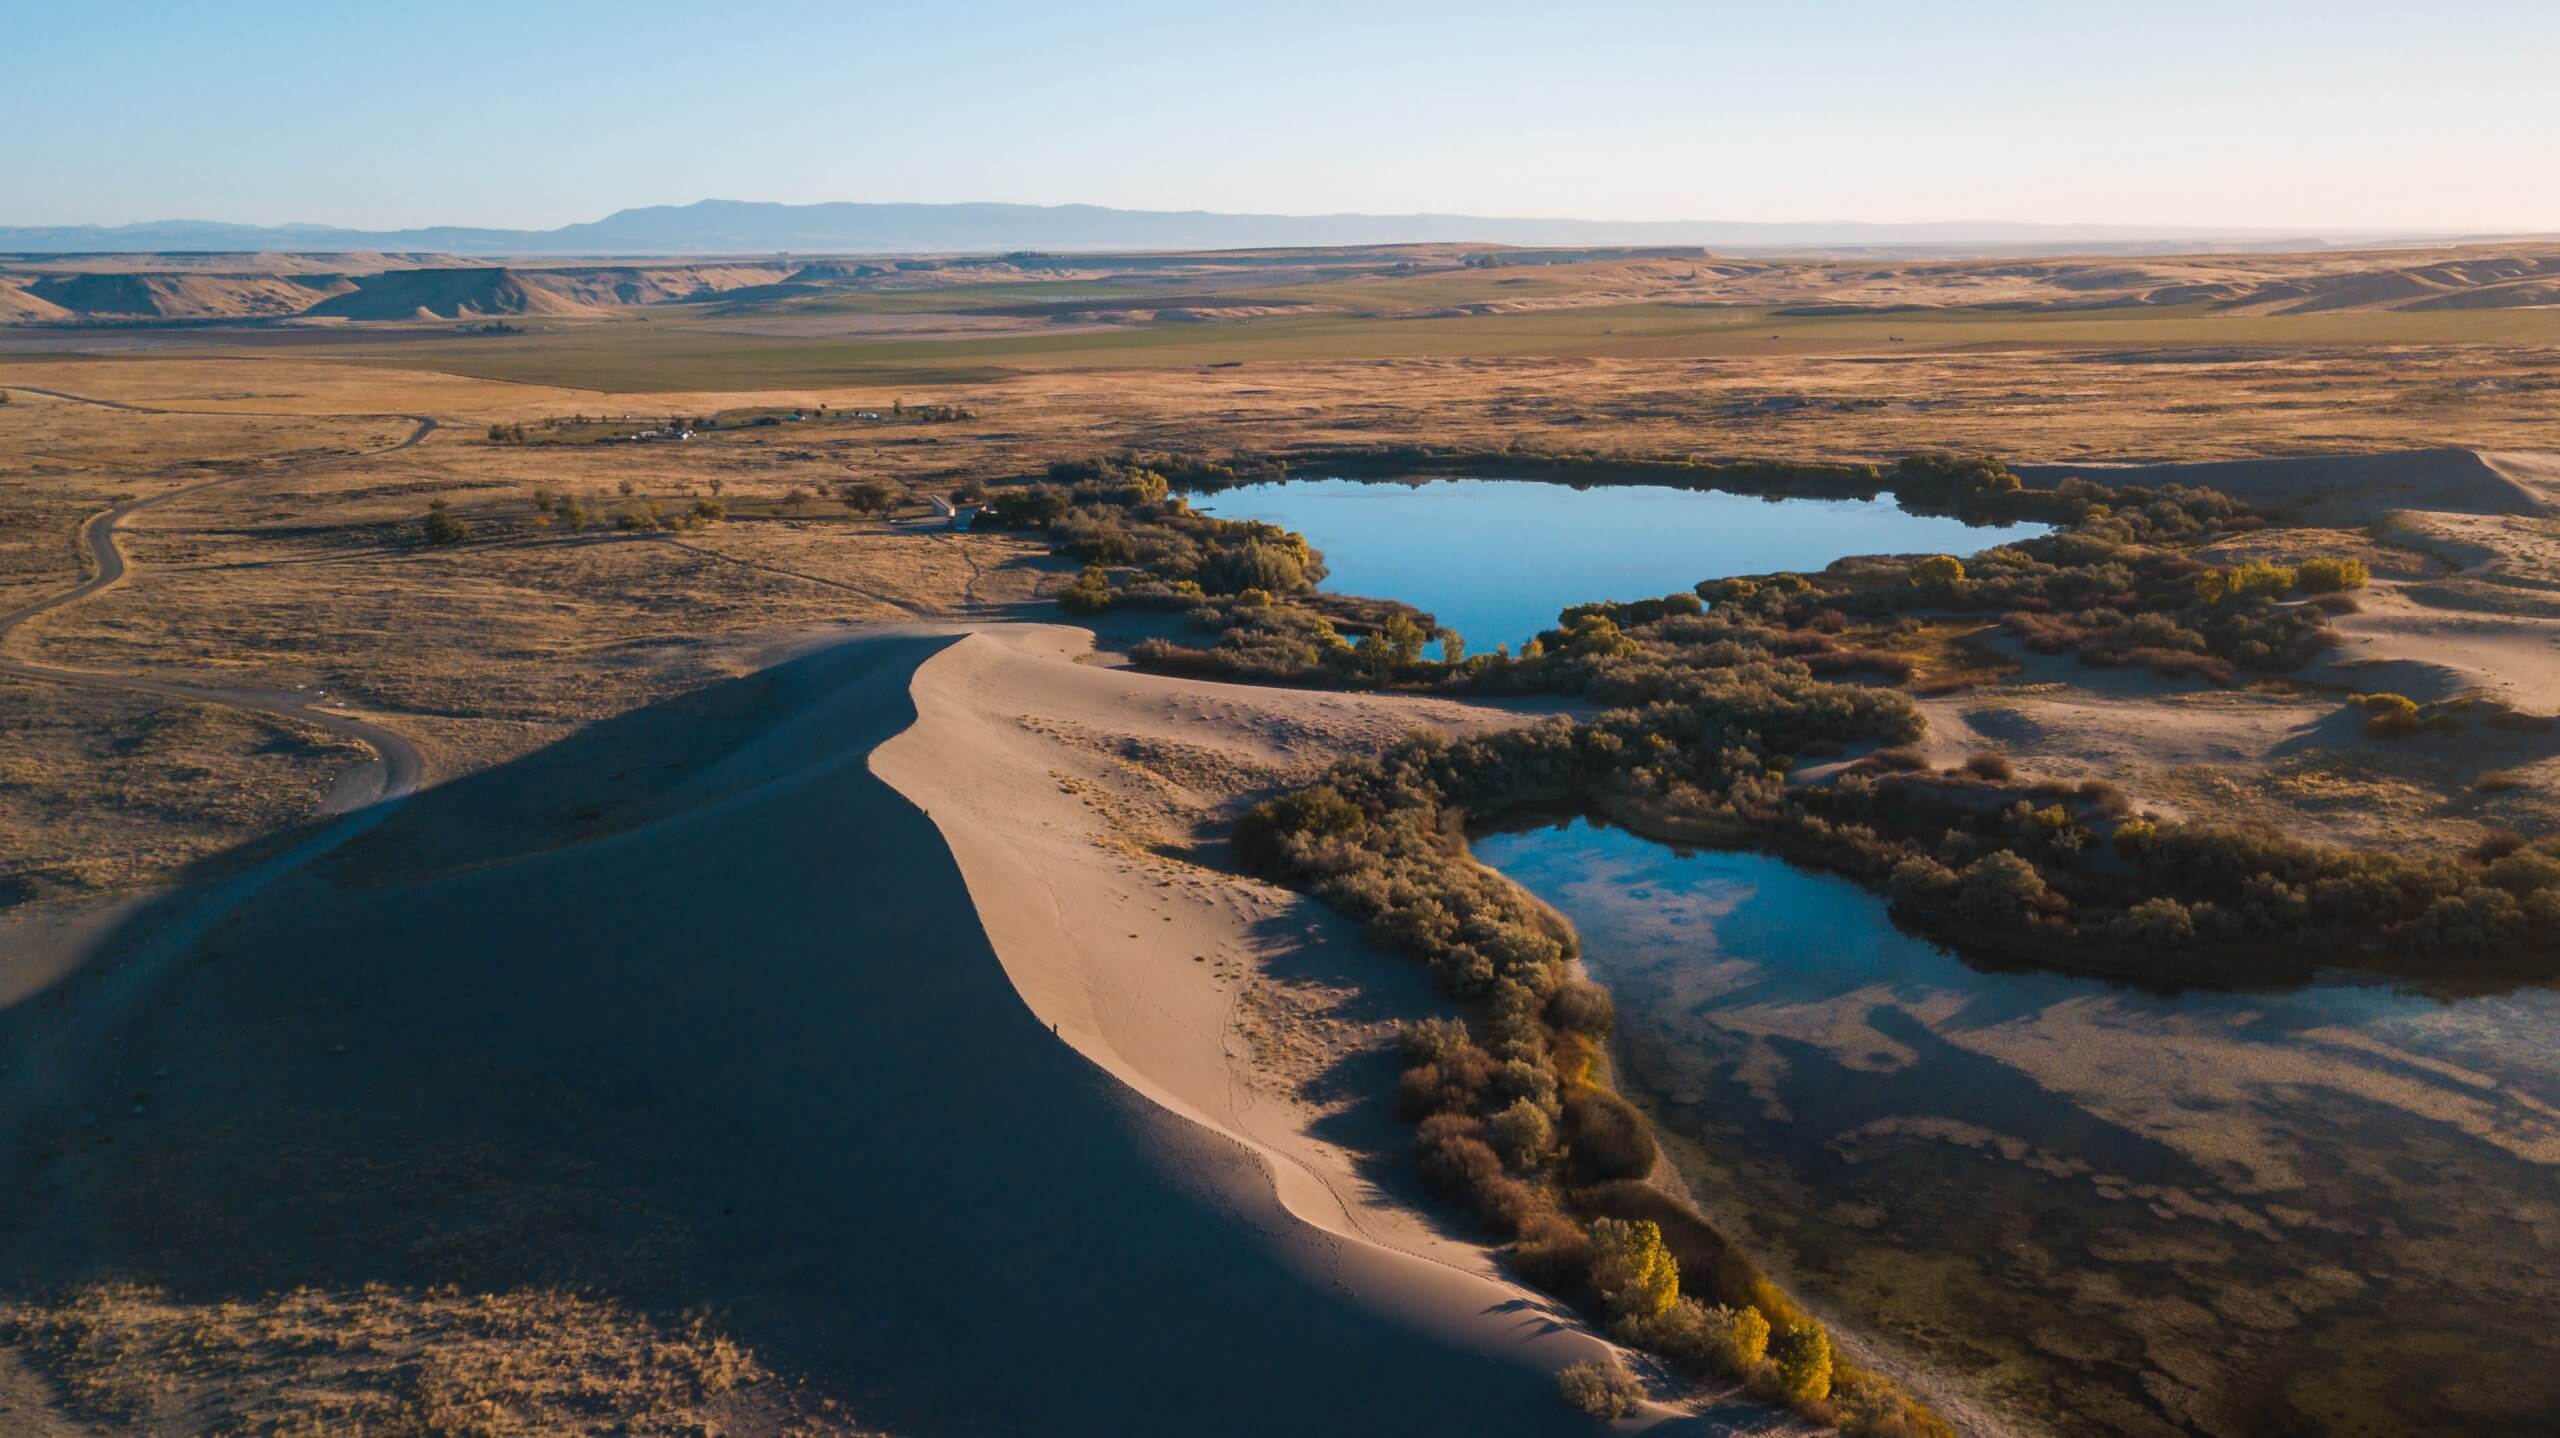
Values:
[(2100, 1209), (1496, 559)]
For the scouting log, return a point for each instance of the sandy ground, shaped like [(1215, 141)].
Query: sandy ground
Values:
[(1064, 790), (681, 1013)]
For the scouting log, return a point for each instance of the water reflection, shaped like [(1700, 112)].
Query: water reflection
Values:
[(1496, 559), (2334, 1209)]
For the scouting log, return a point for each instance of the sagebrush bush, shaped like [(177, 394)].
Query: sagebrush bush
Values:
[(1524, 1135), (1602, 1388)]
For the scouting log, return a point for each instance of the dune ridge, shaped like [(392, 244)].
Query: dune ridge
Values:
[(1100, 938), (688, 1011)]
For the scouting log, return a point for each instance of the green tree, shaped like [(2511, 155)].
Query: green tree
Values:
[(868, 497), (1938, 571), (1453, 646)]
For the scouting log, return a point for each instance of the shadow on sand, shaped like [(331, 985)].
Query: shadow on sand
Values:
[(689, 1011)]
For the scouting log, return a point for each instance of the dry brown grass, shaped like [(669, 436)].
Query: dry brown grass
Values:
[(102, 791), (484, 650), (394, 1362)]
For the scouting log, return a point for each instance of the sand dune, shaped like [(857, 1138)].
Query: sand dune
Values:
[(1143, 962), (690, 1010)]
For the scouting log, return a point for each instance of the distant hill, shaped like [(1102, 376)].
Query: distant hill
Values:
[(743, 227)]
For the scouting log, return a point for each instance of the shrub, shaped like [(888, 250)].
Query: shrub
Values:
[(2253, 579), (1999, 888), (2330, 576), (1431, 1040), (1554, 1252), (1919, 881), (2390, 716), (1801, 1355), (1456, 1083), (1521, 1078), (1870, 1405), (1088, 593), (1938, 571), (2157, 923), (443, 526), (1603, 1389), (1583, 1007), (1606, 1137), (2523, 872), (1994, 767), (710, 511), (1631, 1271), (1523, 1134), (2106, 796), (1452, 1152), (1738, 1338)]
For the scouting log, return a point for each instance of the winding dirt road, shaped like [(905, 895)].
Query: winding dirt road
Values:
[(397, 770)]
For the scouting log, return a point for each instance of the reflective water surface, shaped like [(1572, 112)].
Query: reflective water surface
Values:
[(1495, 559), (2332, 1210)]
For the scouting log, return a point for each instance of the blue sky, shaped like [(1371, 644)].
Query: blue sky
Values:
[(2346, 114)]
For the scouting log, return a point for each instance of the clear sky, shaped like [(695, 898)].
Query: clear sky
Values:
[(2333, 115)]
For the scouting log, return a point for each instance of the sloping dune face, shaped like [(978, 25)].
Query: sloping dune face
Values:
[(692, 1011)]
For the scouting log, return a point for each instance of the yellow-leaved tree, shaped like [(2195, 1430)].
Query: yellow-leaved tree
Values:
[(1633, 1272)]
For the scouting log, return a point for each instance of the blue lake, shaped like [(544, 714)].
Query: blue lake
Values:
[(1496, 559), (2110, 1209)]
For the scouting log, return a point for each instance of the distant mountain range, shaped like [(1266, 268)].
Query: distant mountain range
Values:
[(734, 227)]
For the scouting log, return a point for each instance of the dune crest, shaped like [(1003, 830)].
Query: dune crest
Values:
[(1147, 965)]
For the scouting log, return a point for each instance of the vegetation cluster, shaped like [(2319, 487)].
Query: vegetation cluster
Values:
[(1710, 701), (1706, 706)]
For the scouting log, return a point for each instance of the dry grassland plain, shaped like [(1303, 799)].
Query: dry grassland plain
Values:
[(304, 570)]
